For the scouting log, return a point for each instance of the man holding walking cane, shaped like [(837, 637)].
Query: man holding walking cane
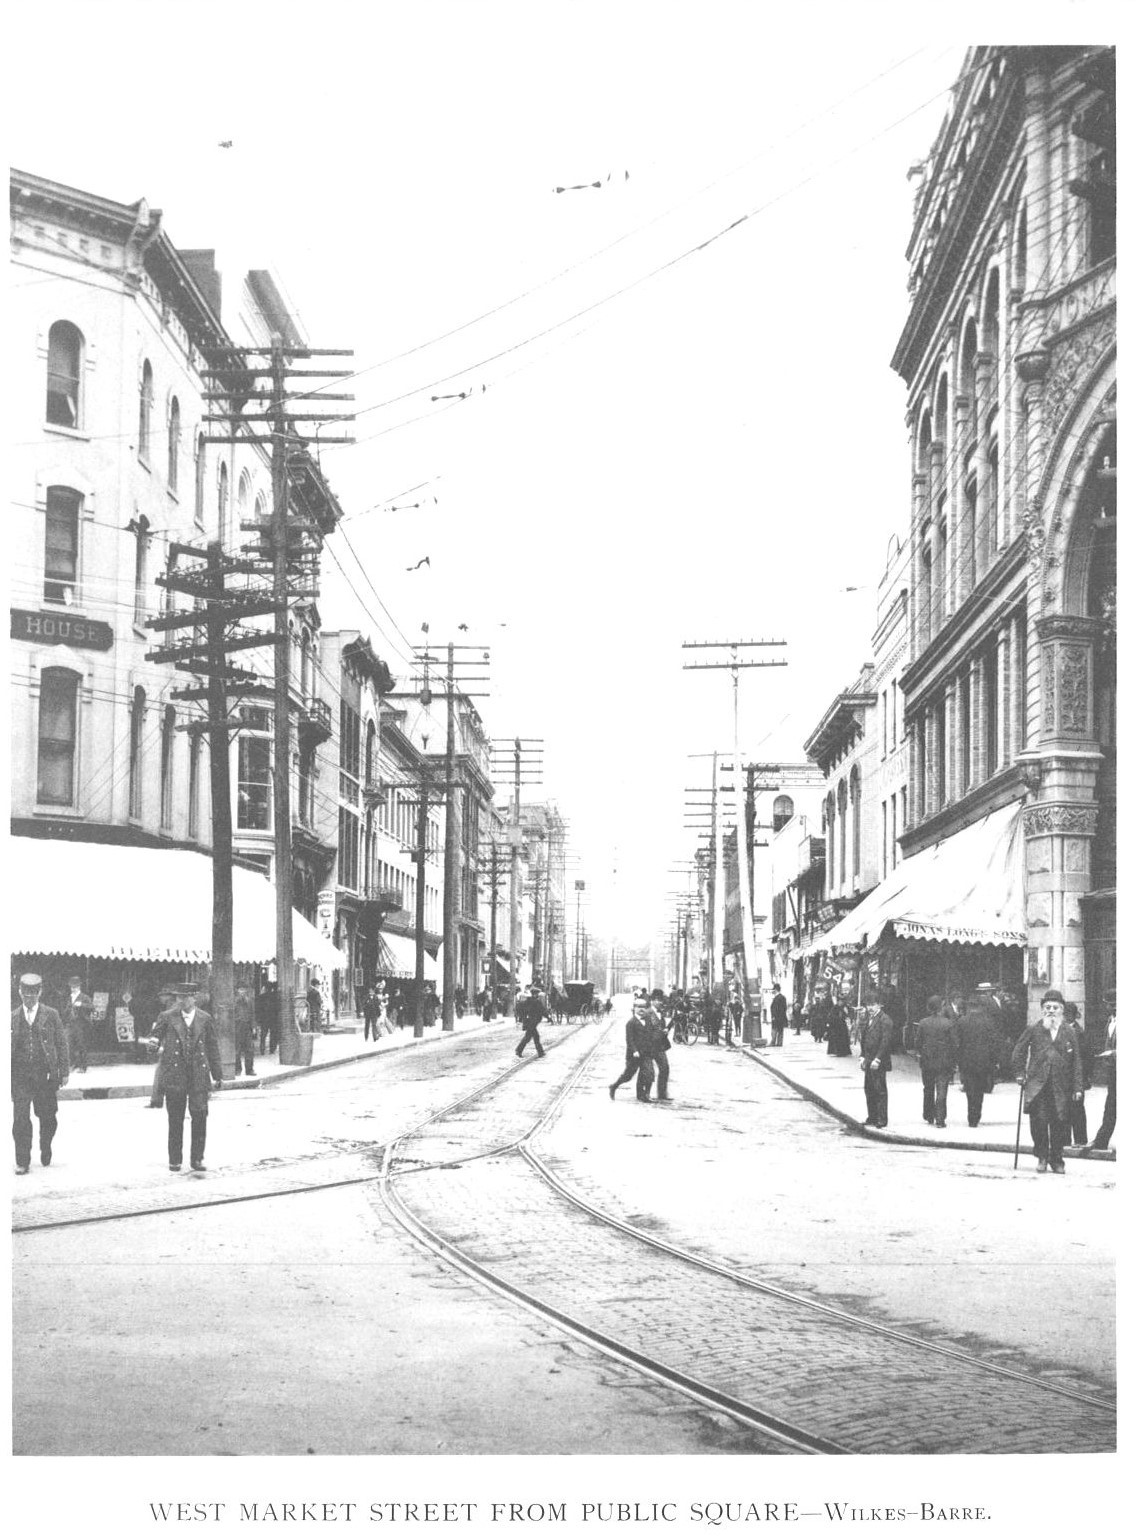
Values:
[(1046, 1061)]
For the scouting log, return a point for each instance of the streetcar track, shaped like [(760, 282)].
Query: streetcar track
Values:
[(699, 1389), (37, 1226)]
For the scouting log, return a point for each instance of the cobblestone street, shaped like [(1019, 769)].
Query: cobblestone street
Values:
[(318, 1285)]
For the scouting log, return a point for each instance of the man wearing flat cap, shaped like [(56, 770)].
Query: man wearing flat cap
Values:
[(40, 1065), (1046, 1060), (189, 1064)]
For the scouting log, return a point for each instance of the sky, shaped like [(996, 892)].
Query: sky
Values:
[(658, 443)]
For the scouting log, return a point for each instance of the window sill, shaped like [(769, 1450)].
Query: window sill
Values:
[(50, 810), (66, 432)]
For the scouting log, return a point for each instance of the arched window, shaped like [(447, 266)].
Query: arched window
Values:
[(967, 370), (991, 323), (55, 764), (993, 508), (370, 743), (146, 401), (223, 503), (306, 673), (200, 478), (135, 754), (925, 595), (61, 544), (174, 430), (142, 542), (167, 768), (1021, 250), (65, 372), (856, 822), (842, 833), (781, 812)]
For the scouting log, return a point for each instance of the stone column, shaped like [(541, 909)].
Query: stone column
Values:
[(959, 585), (918, 634), (986, 367)]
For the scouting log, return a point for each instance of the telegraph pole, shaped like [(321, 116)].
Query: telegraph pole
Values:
[(289, 1050), (419, 916), (449, 917), (222, 869), (752, 1023), (514, 874)]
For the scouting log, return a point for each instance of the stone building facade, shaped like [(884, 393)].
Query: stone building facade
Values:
[(1008, 354)]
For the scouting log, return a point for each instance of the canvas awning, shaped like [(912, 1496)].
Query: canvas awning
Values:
[(968, 888), (397, 957), (141, 905)]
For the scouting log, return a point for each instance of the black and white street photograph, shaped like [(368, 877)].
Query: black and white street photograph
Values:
[(562, 702)]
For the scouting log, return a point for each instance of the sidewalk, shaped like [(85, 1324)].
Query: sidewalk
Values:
[(343, 1042), (835, 1084)]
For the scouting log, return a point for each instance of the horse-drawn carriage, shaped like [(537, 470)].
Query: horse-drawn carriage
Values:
[(581, 997)]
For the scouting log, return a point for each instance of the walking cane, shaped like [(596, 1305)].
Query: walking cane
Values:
[(1021, 1104)]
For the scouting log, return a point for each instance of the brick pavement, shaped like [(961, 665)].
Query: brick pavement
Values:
[(863, 1391)]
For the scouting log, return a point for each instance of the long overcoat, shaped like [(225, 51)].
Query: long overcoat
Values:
[(188, 1056), (978, 1040), (1045, 1062), (937, 1045)]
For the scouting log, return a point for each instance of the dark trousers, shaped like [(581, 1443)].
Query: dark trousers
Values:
[(531, 1034), (1049, 1126), (737, 1019), (176, 1111), (646, 1068), (371, 1026), (77, 1045), (1078, 1122), (935, 1087), (877, 1098), (777, 1029), (244, 1051), (631, 1069), (1108, 1122), (45, 1104), (975, 1083), (663, 1069)]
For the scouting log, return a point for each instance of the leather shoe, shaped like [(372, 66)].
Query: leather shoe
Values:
[(1042, 1167), (1058, 1170), (611, 1092), (174, 1167), (939, 1124), (22, 1170), (198, 1166), (45, 1156)]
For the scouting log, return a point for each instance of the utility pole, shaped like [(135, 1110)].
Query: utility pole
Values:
[(289, 1046), (419, 916), (494, 903), (222, 920), (449, 948), (752, 1023), (514, 874)]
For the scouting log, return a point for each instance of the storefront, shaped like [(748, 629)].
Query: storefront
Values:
[(949, 918), (126, 920)]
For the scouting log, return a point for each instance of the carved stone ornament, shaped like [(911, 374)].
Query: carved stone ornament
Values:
[(1048, 674), (1034, 530), (1071, 363), (1072, 688), (1060, 818)]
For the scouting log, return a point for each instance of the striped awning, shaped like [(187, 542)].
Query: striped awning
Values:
[(141, 905)]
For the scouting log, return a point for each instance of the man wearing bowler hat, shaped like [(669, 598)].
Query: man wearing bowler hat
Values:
[(76, 1016), (189, 1063), (1046, 1060), (40, 1065)]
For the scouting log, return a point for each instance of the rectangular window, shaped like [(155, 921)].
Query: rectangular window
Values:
[(55, 772), (885, 840), (885, 722), (894, 831), (61, 545), (193, 787), (991, 711), (963, 734), (253, 781), (348, 827)]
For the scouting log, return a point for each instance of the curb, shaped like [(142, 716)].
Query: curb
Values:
[(229, 1086), (918, 1141)]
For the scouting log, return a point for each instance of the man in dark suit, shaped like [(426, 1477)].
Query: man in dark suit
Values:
[(189, 1064), (778, 1017), (1046, 1060), (937, 1058), (40, 1065), (531, 1012), (978, 1033), (76, 1016), (874, 1046)]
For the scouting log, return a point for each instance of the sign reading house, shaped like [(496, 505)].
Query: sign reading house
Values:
[(61, 630)]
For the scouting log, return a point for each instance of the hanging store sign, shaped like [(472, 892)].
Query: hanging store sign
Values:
[(55, 630)]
